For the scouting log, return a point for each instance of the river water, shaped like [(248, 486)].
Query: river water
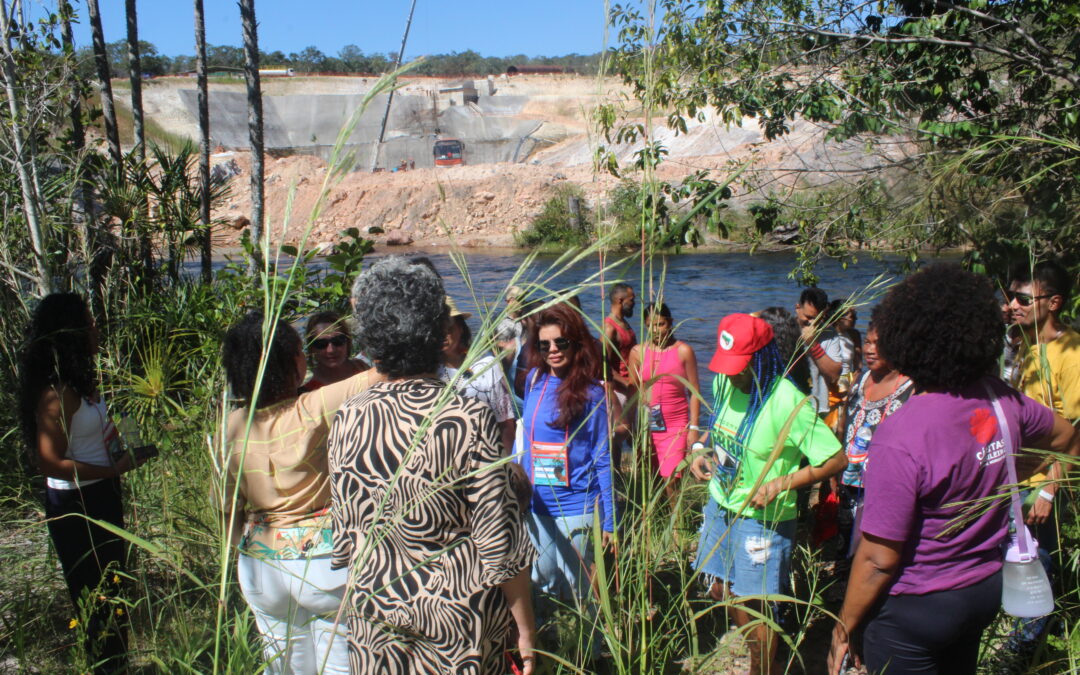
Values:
[(699, 288)]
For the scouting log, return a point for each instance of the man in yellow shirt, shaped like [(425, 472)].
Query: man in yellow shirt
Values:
[(1047, 369), (1048, 364)]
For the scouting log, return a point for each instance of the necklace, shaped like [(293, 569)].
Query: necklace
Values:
[(860, 417)]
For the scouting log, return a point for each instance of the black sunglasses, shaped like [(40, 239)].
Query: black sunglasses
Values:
[(1025, 300), (562, 344), (322, 343)]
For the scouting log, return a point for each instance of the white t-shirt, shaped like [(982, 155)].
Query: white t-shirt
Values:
[(90, 437), (483, 380)]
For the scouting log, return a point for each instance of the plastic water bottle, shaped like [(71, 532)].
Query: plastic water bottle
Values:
[(1025, 589), (860, 445)]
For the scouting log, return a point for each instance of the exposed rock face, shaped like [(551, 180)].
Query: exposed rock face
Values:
[(485, 204)]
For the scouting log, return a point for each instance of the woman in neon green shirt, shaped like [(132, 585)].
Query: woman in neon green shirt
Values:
[(745, 546)]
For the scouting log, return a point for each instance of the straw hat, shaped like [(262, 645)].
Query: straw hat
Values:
[(454, 311)]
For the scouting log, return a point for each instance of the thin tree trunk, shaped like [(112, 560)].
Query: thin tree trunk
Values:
[(101, 59), (81, 208), (131, 12), (135, 75), (19, 15), (255, 125), (206, 246), (43, 280), (390, 96)]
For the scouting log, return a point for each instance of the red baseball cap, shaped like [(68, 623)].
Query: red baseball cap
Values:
[(737, 338)]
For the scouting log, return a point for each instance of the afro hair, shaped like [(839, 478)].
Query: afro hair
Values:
[(941, 327)]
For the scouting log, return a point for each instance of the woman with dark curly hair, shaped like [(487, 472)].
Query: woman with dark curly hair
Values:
[(425, 517), (926, 576), (329, 343), (276, 494), (75, 444), (567, 454)]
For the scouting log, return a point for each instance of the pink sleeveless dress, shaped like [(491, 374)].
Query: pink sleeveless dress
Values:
[(662, 376)]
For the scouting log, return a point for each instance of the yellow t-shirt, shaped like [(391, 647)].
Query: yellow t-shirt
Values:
[(1050, 374)]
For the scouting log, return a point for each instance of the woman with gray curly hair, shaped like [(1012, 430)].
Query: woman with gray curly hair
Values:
[(425, 517)]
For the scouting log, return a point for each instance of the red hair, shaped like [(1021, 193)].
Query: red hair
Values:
[(573, 396)]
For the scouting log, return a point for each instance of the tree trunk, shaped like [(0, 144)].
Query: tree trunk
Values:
[(206, 247), (135, 75), (146, 249), (101, 59), (255, 125), (42, 280), (82, 214)]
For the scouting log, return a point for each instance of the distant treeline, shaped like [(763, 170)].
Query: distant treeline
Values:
[(351, 59)]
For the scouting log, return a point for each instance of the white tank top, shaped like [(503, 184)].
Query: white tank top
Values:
[(89, 437)]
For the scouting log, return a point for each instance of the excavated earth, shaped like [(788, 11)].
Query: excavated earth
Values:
[(479, 205)]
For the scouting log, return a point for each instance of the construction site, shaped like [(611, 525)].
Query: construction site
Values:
[(467, 162)]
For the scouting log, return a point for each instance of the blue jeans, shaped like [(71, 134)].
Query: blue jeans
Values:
[(753, 556), (564, 555)]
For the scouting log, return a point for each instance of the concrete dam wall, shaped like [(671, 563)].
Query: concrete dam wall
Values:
[(310, 124)]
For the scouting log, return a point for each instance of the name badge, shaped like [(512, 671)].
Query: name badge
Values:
[(727, 467), (656, 419), (549, 464)]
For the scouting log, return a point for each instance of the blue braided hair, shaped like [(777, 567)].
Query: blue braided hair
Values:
[(768, 368)]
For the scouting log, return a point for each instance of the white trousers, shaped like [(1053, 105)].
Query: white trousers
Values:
[(296, 604)]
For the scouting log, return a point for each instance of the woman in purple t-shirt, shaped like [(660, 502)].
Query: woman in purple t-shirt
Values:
[(929, 544)]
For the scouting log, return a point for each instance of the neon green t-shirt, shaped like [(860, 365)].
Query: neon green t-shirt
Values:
[(808, 436)]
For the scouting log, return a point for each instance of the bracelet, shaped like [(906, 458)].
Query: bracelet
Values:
[(816, 351), (1046, 495)]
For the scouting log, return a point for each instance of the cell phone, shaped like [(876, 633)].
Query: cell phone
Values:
[(145, 452)]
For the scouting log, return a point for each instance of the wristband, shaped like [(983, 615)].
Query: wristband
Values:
[(1046, 495), (816, 351), (698, 445), (694, 427)]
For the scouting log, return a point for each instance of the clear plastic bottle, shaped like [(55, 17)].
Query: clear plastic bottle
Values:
[(1025, 588), (860, 445)]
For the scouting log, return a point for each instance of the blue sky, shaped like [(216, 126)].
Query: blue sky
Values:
[(491, 27)]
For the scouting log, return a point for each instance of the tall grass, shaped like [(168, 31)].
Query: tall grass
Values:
[(160, 363)]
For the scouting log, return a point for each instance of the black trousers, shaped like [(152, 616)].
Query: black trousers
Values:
[(932, 634), (91, 558)]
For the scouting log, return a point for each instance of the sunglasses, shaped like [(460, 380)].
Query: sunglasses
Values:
[(1025, 300), (322, 343), (562, 344)]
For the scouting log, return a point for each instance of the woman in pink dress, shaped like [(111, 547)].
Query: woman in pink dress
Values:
[(665, 372)]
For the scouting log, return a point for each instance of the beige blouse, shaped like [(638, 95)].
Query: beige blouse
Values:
[(281, 466)]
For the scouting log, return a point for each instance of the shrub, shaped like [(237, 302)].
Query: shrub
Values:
[(565, 220)]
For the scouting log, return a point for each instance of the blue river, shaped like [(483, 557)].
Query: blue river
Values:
[(699, 288)]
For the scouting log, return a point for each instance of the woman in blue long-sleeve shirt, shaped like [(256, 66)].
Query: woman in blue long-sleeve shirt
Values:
[(566, 451)]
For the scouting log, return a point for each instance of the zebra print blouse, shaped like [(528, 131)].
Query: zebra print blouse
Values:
[(426, 520)]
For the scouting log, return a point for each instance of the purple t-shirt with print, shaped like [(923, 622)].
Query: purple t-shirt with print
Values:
[(934, 463)]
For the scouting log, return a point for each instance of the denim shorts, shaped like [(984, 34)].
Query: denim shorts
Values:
[(752, 556)]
